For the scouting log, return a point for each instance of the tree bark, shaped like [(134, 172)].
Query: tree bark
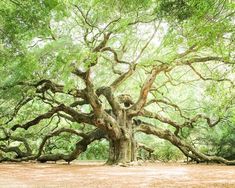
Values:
[(123, 150)]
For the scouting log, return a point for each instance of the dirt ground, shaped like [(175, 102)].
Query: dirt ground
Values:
[(89, 175)]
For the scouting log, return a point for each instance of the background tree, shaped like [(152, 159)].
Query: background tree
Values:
[(79, 71)]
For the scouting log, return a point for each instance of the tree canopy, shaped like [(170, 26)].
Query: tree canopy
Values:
[(73, 72)]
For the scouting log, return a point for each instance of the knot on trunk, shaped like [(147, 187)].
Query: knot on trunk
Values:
[(99, 121), (126, 100)]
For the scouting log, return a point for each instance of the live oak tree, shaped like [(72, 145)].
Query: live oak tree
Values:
[(106, 69)]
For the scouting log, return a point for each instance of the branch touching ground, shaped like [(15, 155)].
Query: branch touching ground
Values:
[(81, 146), (186, 148)]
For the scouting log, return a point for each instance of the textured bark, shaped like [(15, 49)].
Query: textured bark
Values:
[(123, 150)]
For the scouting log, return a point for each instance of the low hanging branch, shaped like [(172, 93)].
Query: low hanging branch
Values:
[(14, 149), (56, 133), (81, 146), (146, 148), (186, 148)]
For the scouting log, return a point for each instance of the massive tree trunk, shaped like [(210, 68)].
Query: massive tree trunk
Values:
[(123, 150)]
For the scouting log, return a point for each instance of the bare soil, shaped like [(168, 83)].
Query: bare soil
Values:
[(89, 175)]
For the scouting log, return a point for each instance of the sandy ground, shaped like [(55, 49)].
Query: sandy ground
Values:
[(89, 175)]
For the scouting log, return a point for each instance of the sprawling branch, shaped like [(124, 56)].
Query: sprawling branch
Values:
[(14, 149), (117, 82), (146, 148), (45, 85), (146, 88), (103, 43), (81, 146), (186, 148), (85, 18), (210, 122), (24, 141), (17, 108), (176, 107), (56, 133), (116, 59), (36, 120), (191, 49), (188, 121), (156, 116), (208, 78), (205, 59), (78, 117)]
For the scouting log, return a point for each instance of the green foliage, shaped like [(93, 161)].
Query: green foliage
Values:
[(44, 39), (179, 9), (167, 152), (96, 151), (219, 141)]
